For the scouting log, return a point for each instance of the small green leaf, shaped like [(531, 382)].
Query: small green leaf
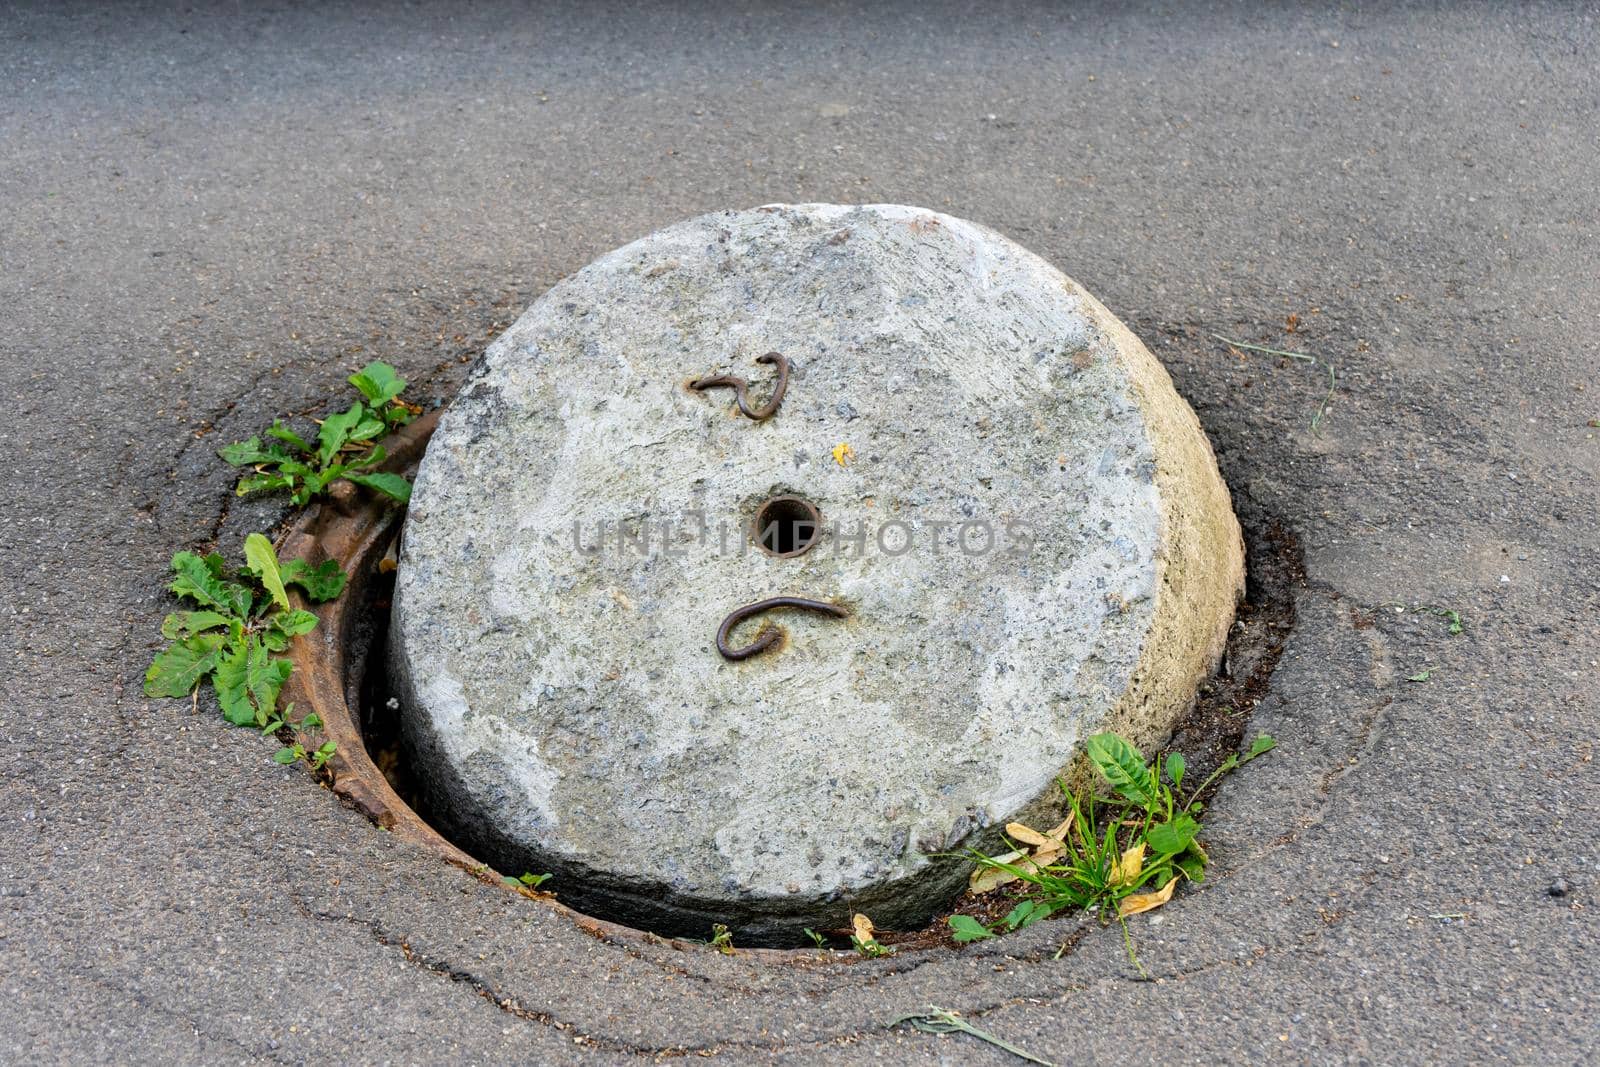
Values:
[(259, 555), (965, 928), (1026, 914), (1122, 765), (533, 881), (1262, 744), (239, 599), (391, 485), (1193, 868), (335, 431), (196, 580), (371, 459), (248, 453), (231, 681), (177, 670), (312, 721), (398, 415), (367, 429), (1422, 675), (247, 680), (378, 382), (1175, 767), (323, 582), (288, 436), (294, 623), (1170, 838), (262, 483), (288, 754), (183, 624)]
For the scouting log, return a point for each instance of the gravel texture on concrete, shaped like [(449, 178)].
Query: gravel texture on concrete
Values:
[(213, 216), (1029, 534)]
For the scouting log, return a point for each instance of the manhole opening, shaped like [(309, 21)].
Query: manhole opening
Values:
[(1214, 727), (787, 526)]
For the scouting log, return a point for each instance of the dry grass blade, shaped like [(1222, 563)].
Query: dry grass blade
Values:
[(932, 1020)]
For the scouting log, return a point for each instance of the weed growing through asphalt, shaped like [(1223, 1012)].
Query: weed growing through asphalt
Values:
[(230, 640), (721, 939), (343, 449), (864, 938), (1119, 855), (527, 881)]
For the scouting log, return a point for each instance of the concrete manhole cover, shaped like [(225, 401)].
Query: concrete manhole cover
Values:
[(991, 527)]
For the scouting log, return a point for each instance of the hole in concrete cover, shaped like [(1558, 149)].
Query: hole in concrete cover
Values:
[(787, 526)]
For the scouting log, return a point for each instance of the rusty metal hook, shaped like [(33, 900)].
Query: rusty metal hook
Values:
[(771, 636), (741, 388)]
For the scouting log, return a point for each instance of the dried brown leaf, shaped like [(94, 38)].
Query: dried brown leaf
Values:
[(862, 926), (1128, 866), (1142, 902), (1026, 834)]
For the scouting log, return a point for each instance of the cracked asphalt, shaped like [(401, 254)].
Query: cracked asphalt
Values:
[(211, 216)]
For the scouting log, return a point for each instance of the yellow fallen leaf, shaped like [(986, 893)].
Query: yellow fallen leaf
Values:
[(1127, 868), (862, 926), (1060, 831), (1027, 835), (843, 453), (986, 879), (1141, 902)]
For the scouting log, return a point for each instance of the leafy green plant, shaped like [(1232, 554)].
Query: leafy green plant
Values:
[(871, 947), (816, 938), (527, 880), (864, 938), (1454, 616), (721, 939), (242, 619), (1123, 853), (965, 928), (382, 385), (344, 446)]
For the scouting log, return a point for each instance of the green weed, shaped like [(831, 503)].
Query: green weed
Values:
[(1119, 855), (231, 639), (527, 880), (343, 449)]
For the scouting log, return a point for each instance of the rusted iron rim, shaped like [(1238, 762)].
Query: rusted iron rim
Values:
[(356, 530)]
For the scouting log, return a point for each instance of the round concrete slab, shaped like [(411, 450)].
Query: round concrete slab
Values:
[(1023, 529)]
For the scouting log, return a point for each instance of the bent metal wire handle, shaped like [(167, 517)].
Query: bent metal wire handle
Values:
[(770, 635), (741, 388)]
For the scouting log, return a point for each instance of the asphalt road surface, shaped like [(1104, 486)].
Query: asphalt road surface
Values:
[(209, 217)]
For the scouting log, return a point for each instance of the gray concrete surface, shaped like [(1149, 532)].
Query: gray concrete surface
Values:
[(1031, 543), (211, 216)]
